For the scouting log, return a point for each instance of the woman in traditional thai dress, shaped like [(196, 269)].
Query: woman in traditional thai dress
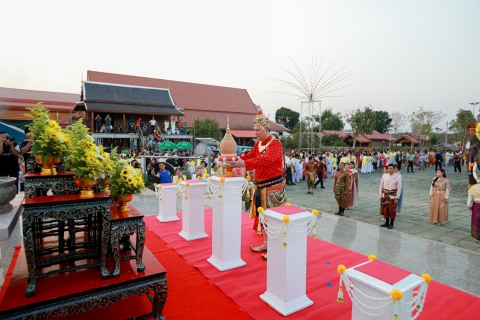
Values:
[(381, 161), (416, 160), (334, 163), (365, 164), (329, 163), (432, 158), (370, 167), (439, 194), (473, 204)]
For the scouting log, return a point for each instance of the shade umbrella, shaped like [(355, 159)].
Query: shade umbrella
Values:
[(184, 145), (167, 145)]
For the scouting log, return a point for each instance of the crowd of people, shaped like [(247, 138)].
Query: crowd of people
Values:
[(344, 167), (138, 126)]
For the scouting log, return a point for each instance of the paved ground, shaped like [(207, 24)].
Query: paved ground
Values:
[(413, 218)]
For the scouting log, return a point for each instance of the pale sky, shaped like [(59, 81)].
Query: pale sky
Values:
[(404, 54)]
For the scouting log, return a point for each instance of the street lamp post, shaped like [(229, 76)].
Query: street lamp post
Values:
[(473, 107)]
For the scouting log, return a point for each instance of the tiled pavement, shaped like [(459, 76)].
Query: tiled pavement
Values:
[(413, 218)]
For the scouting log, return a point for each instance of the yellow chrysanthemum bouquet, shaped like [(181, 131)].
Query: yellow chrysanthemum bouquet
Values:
[(50, 140), (86, 159), (125, 179)]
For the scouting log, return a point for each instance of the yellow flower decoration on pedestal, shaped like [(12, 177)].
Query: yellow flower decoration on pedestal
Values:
[(154, 184), (206, 175), (341, 269), (187, 183), (222, 180), (396, 294), (315, 212), (199, 178), (248, 178), (288, 204), (286, 219), (426, 277), (260, 209), (372, 257)]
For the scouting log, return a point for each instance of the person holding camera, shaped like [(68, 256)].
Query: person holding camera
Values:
[(98, 123), (8, 157)]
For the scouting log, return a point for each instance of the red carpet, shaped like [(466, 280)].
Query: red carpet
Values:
[(245, 284), (190, 294), (8, 275)]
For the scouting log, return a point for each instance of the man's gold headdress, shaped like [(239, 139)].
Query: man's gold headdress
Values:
[(261, 120)]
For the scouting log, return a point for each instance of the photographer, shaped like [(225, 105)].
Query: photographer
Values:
[(8, 157)]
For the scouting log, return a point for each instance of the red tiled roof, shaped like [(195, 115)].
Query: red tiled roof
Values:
[(360, 138), (14, 101), (197, 100), (407, 137), (343, 135), (379, 136), (243, 133), (324, 133)]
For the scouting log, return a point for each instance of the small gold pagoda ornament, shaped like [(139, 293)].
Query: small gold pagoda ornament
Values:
[(228, 150)]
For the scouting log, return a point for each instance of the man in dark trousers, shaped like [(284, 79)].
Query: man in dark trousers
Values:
[(320, 170), (456, 163), (438, 160)]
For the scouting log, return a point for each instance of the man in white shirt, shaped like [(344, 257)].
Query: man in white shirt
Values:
[(289, 164), (153, 122), (389, 193)]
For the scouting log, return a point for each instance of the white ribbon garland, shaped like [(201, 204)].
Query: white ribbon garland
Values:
[(297, 230), (217, 190), (160, 192), (406, 307), (183, 189)]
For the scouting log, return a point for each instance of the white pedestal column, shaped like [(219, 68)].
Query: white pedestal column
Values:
[(377, 288), (287, 266), (167, 200), (227, 223), (193, 206)]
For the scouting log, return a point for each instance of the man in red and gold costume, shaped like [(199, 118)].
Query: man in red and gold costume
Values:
[(266, 158)]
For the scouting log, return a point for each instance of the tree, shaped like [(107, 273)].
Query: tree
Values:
[(333, 140), (330, 120), (398, 121), (459, 125), (290, 142), (382, 121), (423, 121), (362, 121), (304, 127), (287, 117), (207, 128)]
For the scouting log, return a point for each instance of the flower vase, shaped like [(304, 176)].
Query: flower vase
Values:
[(122, 202), (86, 185), (48, 166), (106, 185)]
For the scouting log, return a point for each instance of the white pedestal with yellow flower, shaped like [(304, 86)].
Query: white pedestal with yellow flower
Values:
[(382, 291), (226, 194), (287, 228), (193, 206), (167, 200)]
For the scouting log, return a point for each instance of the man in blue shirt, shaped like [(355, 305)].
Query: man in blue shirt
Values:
[(162, 175)]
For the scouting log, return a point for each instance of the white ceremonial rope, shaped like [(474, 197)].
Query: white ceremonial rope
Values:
[(194, 191), (405, 307), (159, 192), (231, 192), (358, 302), (289, 228)]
